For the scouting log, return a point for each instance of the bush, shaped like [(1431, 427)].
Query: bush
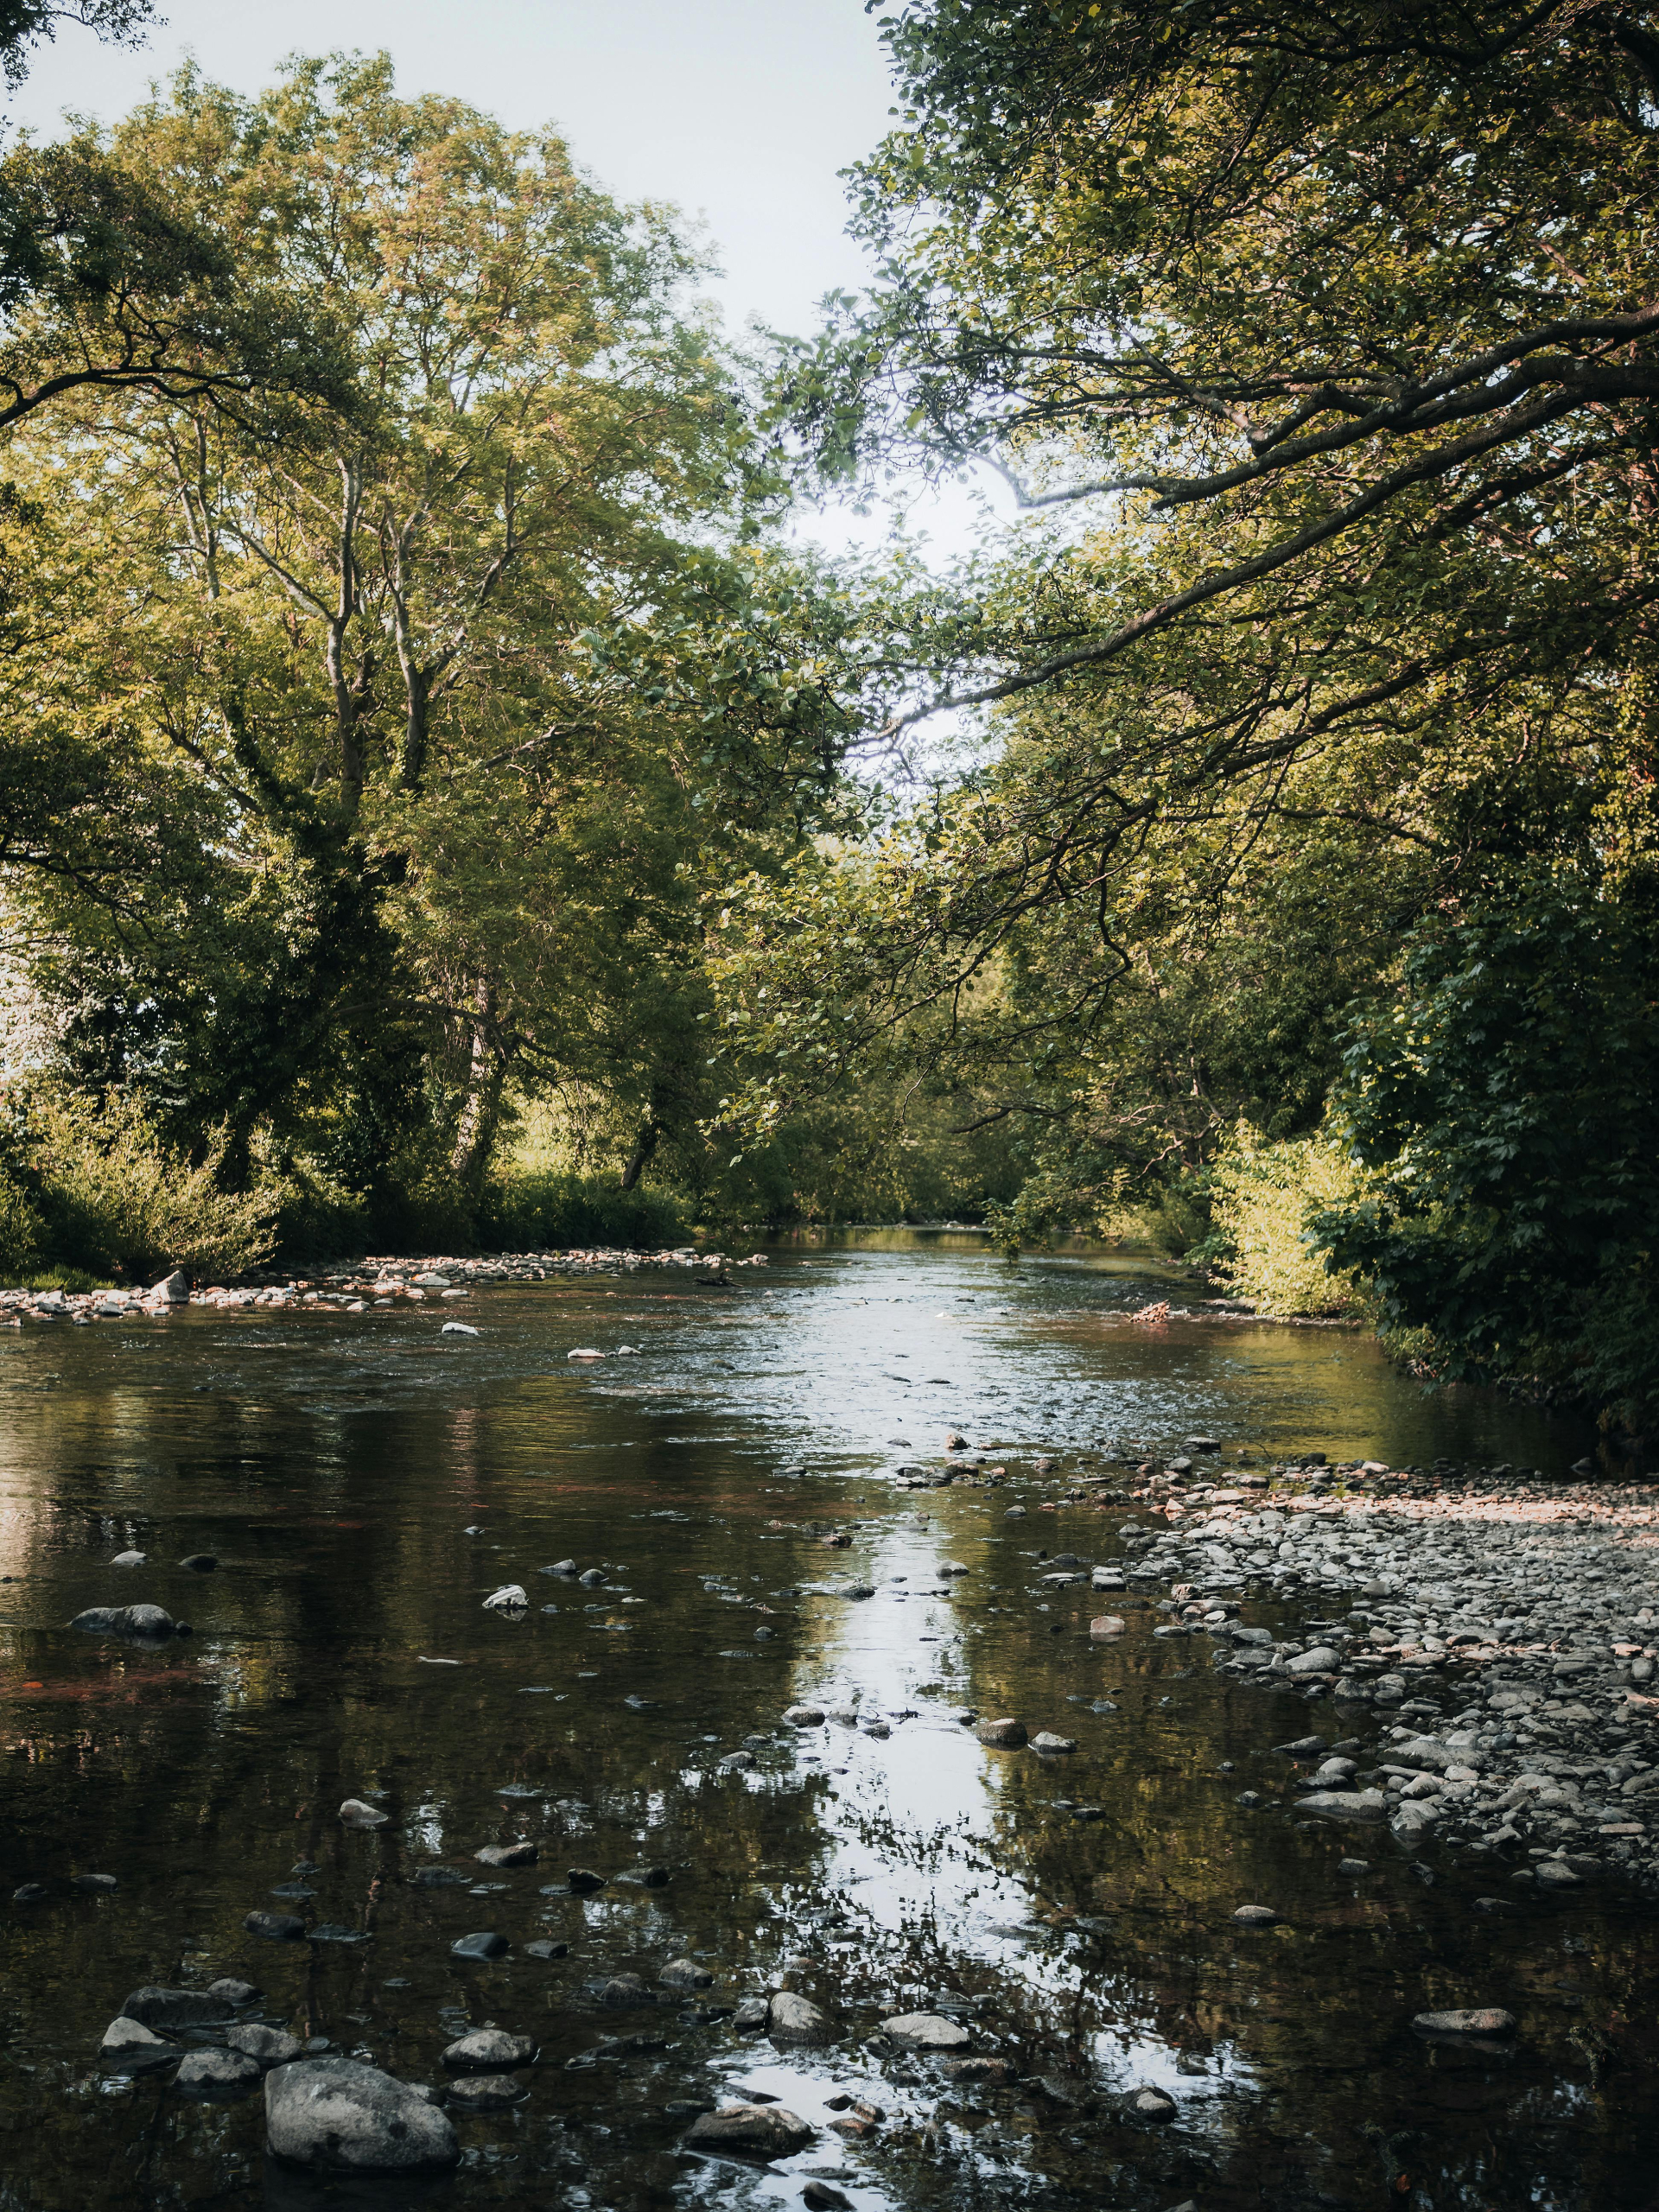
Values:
[(20, 1231), (112, 1197), (1263, 1200), (555, 1208)]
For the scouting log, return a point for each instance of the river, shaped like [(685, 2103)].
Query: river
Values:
[(365, 1482)]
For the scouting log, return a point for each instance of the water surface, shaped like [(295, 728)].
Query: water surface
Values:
[(366, 1482)]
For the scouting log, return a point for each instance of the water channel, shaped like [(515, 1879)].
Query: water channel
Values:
[(365, 1482)]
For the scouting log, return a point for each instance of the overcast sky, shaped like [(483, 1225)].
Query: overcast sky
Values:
[(740, 111)]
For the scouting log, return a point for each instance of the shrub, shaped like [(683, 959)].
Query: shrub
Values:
[(1263, 1199), (114, 1198)]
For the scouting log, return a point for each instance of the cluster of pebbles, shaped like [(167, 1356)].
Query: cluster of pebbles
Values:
[(1496, 1631), (382, 1282)]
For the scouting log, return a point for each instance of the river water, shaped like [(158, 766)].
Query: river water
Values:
[(365, 1482)]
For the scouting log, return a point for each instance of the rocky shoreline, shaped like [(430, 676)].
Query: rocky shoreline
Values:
[(1486, 1640), (383, 1281)]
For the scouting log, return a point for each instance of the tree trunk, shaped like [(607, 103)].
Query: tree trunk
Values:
[(644, 1145), (480, 1112)]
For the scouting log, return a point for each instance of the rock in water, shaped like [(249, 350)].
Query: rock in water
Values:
[(483, 2093), (129, 2047), (172, 2009), (1005, 1735), (270, 2046), (280, 1927), (927, 2032), (345, 2118), (1106, 1624), (131, 1559), (804, 1716), (1151, 2104), (1256, 1915), (685, 1974), (1044, 1740), (173, 1289), (356, 1814), (486, 1945), (97, 1620), (218, 2076), (793, 2019), (234, 1991), (201, 1562), (584, 1881), (1321, 1660), (750, 2132), (1344, 1804), (488, 2051), (509, 1598), (141, 1620), (508, 1855), (1480, 2020)]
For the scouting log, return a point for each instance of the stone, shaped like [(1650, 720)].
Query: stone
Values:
[(201, 1562), (1354, 1866), (1003, 1735), (927, 2032), (1106, 1624), (97, 1620), (218, 2076), (794, 2020), (93, 1885), (543, 1949), (270, 2046), (1344, 1804), (172, 2009), (440, 1878), (1151, 2105), (129, 2047), (347, 2117), (1554, 1874), (131, 1559), (738, 1762), (279, 1927), (173, 1289), (1480, 2020), (509, 1598), (488, 2051), (457, 1329), (822, 2197), (625, 1989), (685, 1974), (356, 1814), (508, 1855), (584, 1881), (1321, 1660), (804, 1716), (484, 1945), (234, 1991), (483, 2093), (1256, 1915), (142, 1620), (750, 2132), (751, 2014), (991, 2071), (1045, 1740)]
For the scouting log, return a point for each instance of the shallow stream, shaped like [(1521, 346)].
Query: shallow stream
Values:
[(365, 1483)]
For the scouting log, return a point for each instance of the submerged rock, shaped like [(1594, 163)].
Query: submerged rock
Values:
[(484, 1945), (279, 1927), (472, 2092), (129, 2047), (1479, 2020), (172, 2009), (685, 1974), (357, 1815), (507, 1854), (347, 2117)]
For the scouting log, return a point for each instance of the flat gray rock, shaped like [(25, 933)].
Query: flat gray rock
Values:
[(927, 2032), (218, 2076), (750, 2132), (1477, 2020), (471, 2093), (488, 2051), (345, 2118), (129, 2047), (1344, 1804), (171, 2009), (270, 2046)]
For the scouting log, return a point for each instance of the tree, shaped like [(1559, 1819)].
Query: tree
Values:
[(456, 685)]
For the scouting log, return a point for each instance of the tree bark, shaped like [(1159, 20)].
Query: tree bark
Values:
[(480, 1111)]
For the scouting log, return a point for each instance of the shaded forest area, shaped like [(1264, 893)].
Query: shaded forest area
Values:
[(442, 802)]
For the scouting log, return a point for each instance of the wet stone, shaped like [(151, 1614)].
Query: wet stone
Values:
[(794, 2020), (347, 2117), (482, 2093), (625, 1989), (355, 1814), (270, 2046), (484, 1945), (129, 2047), (217, 2076), (1256, 1915), (235, 1992), (1479, 2020), (507, 1854), (170, 2009), (440, 1878), (927, 2032), (1006, 1734), (752, 2131), (685, 1974), (277, 1927), (488, 2051), (584, 1881)]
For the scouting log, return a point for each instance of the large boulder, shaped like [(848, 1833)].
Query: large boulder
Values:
[(345, 2118)]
